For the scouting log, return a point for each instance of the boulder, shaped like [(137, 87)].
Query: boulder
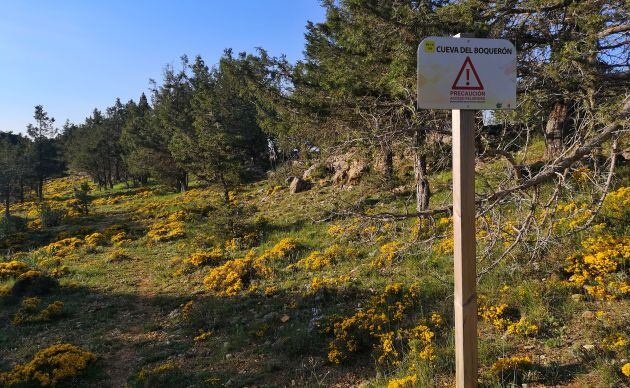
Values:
[(298, 185), (340, 177), (348, 168), (356, 170), (317, 170)]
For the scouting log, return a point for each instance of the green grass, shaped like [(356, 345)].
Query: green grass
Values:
[(129, 309)]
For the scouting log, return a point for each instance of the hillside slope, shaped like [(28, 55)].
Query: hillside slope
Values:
[(281, 289)]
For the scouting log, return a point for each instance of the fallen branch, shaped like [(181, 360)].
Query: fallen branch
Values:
[(546, 174)]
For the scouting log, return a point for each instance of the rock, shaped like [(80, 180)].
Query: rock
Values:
[(357, 169), (285, 318), (272, 316), (400, 190), (317, 170), (298, 185), (34, 284), (588, 314), (577, 297), (339, 177), (588, 347)]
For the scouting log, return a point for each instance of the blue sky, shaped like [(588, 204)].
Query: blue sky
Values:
[(73, 56)]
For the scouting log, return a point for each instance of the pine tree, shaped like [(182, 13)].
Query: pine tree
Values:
[(45, 154)]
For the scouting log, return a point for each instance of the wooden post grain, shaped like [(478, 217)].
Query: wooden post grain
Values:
[(464, 248)]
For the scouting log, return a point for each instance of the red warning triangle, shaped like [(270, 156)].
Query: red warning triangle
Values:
[(467, 78)]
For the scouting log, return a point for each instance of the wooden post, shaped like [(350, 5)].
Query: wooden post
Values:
[(464, 246)]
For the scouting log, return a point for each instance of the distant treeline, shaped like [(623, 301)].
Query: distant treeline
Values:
[(355, 89)]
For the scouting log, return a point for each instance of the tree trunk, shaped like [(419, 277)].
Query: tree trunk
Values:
[(40, 188), (423, 192), (183, 183), (387, 162), (7, 207), (226, 189), (556, 130)]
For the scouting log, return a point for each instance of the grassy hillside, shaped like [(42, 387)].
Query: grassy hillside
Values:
[(163, 289)]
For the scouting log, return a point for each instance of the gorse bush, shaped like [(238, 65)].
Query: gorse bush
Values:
[(49, 367), (383, 326)]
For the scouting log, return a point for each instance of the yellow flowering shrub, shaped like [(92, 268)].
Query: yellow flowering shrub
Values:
[(515, 363), (27, 313), (232, 277), (375, 327), (422, 346), (615, 342), (617, 203), (198, 259), (203, 335), (331, 255), (49, 367), (119, 238), (387, 254), (522, 327), (322, 283), (595, 268), (625, 369), (445, 245), (572, 215), (165, 231), (150, 374), (425, 228), (505, 318), (436, 319), (63, 247), (12, 269), (282, 250), (494, 314), (31, 273), (95, 239), (187, 308), (404, 382)]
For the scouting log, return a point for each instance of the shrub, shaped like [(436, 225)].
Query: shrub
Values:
[(198, 259), (63, 247), (49, 367), (232, 277), (95, 239), (12, 269), (32, 283), (375, 327), (595, 268), (28, 313), (332, 255), (387, 254), (162, 230)]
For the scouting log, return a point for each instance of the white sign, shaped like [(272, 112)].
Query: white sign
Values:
[(466, 73)]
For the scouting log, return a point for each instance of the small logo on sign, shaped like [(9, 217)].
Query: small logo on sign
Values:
[(429, 46)]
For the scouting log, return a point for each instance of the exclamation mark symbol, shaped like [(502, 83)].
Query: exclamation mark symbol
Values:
[(467, 77)]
